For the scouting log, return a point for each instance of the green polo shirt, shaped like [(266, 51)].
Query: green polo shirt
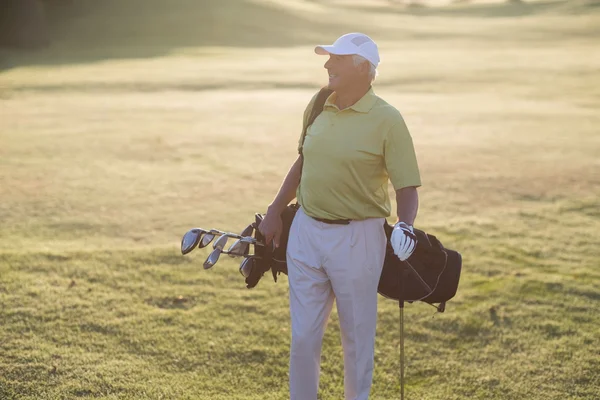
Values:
[(349, 156)]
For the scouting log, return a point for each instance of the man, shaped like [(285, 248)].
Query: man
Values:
[(337, 243)]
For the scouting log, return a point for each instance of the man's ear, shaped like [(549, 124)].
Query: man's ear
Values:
[(364, 68)]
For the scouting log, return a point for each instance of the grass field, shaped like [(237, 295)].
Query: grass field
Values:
[(139, 123)]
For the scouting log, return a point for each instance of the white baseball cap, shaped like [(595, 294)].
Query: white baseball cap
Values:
[(352, 43)]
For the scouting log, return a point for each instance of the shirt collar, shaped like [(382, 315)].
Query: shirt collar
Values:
[(363, 105)]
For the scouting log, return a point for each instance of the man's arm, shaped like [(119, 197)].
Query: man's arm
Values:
[(287, 191), (407, 200), (271, 225), (401, 163), (403, 239)]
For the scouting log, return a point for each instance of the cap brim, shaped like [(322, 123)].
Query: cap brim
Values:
[(324, 50)]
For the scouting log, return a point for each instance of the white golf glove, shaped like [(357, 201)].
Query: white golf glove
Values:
[(403, 240)]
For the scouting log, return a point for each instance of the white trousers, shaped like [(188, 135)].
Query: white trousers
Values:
[(324, 262)]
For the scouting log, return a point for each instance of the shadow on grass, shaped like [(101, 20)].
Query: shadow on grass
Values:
[(89, 31), (176, 302), (473, 9), (194, 87)]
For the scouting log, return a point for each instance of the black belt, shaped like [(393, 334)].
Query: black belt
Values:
[(333, 221)]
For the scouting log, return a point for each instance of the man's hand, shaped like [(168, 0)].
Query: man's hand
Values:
[(403, 240), (271, 227)]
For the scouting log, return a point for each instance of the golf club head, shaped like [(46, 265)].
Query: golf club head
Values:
[(239, 248), (248, 231), (212, 259), (233, 248), (206, 239), (220, 243), (246, 266), (190, 240)]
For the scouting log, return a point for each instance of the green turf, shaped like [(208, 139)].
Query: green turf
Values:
[(139, 123)]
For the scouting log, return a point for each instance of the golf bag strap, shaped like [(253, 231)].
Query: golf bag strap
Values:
[(266, 260), (317, 108)]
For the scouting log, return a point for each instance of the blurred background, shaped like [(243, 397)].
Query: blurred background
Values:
[(123, 124)]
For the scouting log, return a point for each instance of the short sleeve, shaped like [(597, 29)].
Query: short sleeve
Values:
[(400, 157)]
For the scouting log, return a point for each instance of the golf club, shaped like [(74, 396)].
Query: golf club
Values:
[(191, 239), (248, 231), (240, 248), (213, 233), (213, 257), (198, 237), (206, 237), (228, 234), (247, 265)]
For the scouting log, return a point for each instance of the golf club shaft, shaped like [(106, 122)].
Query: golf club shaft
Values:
[(253, 241), (402, 350)]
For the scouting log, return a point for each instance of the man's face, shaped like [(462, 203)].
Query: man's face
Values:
[(342, 71)]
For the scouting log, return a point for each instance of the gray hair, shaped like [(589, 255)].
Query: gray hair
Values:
[(359, 60)]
